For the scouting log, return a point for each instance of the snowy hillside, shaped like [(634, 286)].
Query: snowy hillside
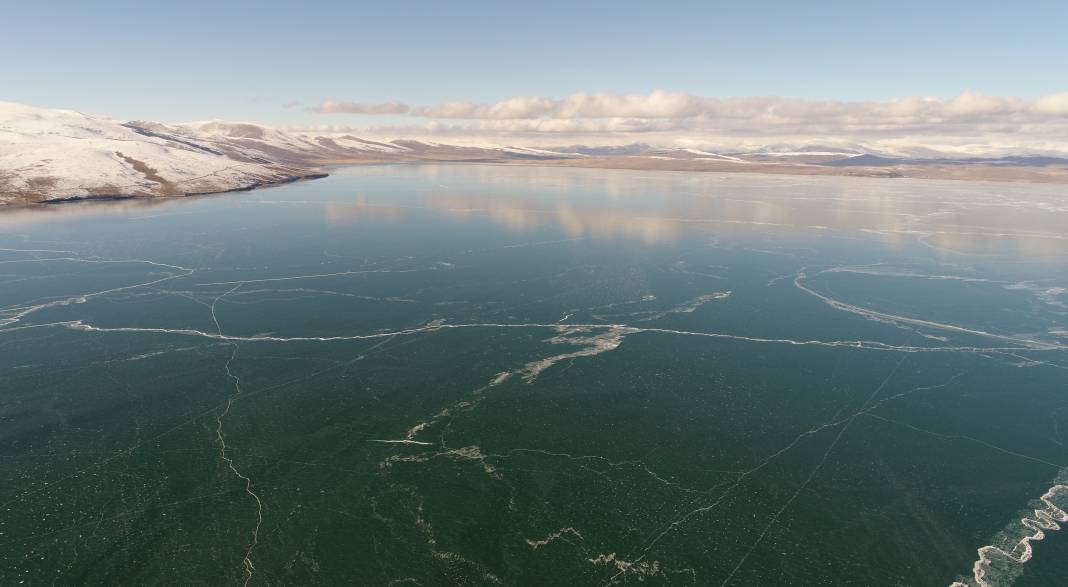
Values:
[(253, 142), (55, 154), (49, 155)]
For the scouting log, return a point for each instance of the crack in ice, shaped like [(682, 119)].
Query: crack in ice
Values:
[(220, 439)]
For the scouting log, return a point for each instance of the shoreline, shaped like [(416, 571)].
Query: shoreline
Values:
[(1030, 175), (146, 198)]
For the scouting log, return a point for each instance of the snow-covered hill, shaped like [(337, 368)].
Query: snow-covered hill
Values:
[(57, 154), (49, 155), (257, 143)]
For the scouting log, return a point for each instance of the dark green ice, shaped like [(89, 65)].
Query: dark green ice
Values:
[(512, 375)]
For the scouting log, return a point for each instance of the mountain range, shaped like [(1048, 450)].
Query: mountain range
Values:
[(49, 156)]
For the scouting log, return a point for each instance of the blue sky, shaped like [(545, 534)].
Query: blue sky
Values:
[(244, 60)]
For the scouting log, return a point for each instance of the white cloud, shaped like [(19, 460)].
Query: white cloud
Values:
[(759, 111), (518, 107), (1053, 105), (336, 107), (972, 122), (659, 104)]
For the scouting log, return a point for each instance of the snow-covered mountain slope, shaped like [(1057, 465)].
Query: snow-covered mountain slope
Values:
[(58, 154), (50, 155), (257, 143)]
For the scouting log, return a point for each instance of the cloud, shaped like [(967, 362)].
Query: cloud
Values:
[(659, 104), (759, 111), (291, 104), (1053, 105), (970, 123), (514, 108), (336, 107)]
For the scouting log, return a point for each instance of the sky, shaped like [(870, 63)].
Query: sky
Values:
[(437, 68)]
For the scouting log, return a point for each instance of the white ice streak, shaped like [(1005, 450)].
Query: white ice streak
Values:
[(464, 453), (592, 344), (895, 319), (689, 306), (1000, 563), (316, 275), (17, 313), (618, 329), (401, 441), (560, 534), (641, 568), (1046, 294)]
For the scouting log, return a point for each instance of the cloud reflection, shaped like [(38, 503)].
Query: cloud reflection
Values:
[(948, 216)]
